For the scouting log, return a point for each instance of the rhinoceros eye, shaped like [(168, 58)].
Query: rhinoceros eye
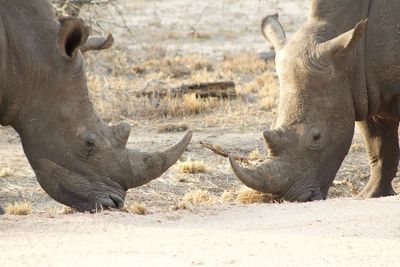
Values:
[(315, 139), (90, 143), (316, 136)]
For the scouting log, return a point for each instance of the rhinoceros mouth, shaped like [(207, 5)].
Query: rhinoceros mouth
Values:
[(110, 201), (296, 193), (90, 201), (82, 192)]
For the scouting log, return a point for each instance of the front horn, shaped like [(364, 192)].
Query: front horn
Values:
[(266, 178), (148, 166)]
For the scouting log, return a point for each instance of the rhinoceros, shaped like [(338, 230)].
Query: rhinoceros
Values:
[(342, 66), (78, 159)]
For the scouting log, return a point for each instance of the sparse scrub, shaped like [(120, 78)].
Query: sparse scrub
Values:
[(338, 187), (177, 107), (52, 212), (245, 62), (228, 196), (255, 155), (173, 35), (165, 128), (266, 84), (249, 196), (172, 65), (67, 210), (115, 77), (194, 62), (6, 172), (230, 34), (18, 208), (349, 186), (200, 35), (199, 197), (180, 205), (268, 103), (138, 208), (193, 105), (192, 166)]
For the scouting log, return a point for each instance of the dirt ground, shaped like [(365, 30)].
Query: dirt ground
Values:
[(336, 232), (164, 44)]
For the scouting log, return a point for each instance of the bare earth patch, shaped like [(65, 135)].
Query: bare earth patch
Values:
[(336, 232)]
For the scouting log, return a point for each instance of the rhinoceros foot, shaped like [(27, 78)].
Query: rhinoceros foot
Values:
[(372, 190)]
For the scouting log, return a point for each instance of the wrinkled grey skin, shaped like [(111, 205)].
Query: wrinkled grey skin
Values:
[(338, 68), (78, 159)]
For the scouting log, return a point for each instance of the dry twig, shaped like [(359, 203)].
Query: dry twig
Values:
[(224, 89), (219, 151)]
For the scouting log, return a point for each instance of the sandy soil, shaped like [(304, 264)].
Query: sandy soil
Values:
[(340, 231)]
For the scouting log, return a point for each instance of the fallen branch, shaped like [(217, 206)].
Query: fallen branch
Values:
[(225, 89), (219, 151)]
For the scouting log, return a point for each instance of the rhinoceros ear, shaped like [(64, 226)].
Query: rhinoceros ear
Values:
[(72, 35), (98, 43), (272, 30), (344, 43)]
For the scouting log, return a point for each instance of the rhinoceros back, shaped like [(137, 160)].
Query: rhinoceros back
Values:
[(28, 32), (383, 41)]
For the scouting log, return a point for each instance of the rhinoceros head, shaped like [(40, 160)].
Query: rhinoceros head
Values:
[(315, 118), (78, 159)]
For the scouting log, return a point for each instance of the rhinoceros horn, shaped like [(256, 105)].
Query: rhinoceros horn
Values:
[(148, 166), (261, 178), (344, 43)]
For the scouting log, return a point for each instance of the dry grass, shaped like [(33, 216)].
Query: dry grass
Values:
[(137, 208), (200, 35), (245, 62), (357, 148), (18, 208), (267, 89), (193, 105), (345, 185), (228, 196), (170, 66), (351, 183), (116, 76), (250, 196), (199, 197), (6, 172), (172, 106), (268, 103), (180, 205), (255, 155), (192, 166), (170, 127), (53, 212), (67, 210), (228, 34)]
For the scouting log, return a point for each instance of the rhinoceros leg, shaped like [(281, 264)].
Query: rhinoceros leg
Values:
[(1, 211), (382, 142)]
